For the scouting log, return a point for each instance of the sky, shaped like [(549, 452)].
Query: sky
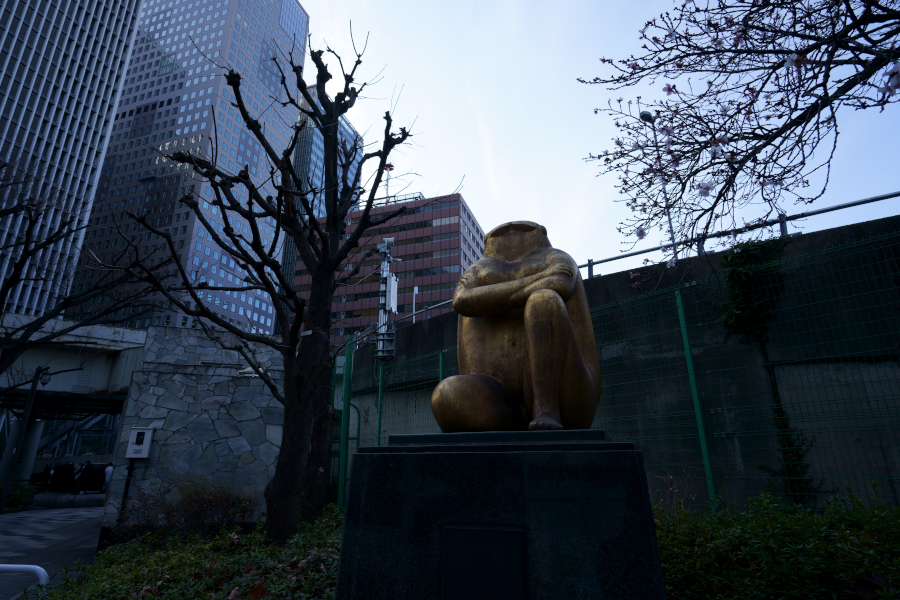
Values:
[(489, 91)]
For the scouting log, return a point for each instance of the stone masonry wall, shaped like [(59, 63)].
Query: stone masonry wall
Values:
[(210, 422)]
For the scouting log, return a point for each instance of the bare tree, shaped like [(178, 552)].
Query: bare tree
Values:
[(26, 203), (316, 221), (753, 91)]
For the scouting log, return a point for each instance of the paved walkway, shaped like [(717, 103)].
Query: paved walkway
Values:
[(48, 538)]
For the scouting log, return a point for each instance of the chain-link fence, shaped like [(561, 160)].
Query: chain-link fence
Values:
[(776, 375)]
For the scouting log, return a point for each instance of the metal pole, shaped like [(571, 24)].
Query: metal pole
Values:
[(695, 395), (590, 268), (20, 439), (782, 222), (345, 428), (333, 383), (380, 399), (358, 422), (123, 507), (415, 291), (441, 371), (754, 227)]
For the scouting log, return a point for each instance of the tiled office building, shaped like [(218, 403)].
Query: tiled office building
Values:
[(437, 240), (172, 92), (61, 68)]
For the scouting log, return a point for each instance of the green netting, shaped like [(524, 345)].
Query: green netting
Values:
[(796, 367)]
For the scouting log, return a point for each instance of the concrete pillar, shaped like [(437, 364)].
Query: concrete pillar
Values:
[(26, 457)]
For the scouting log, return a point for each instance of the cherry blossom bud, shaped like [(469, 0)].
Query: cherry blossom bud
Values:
[(669, 89), (705, 188), (641, 233)]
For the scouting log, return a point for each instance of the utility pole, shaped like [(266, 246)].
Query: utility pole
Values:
[(387, 302), (388, 167), (41, 374)]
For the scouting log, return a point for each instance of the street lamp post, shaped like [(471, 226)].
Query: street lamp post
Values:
[(41, 374), (647, 117)]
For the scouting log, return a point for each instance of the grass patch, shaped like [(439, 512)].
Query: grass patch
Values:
[(851, 550), (229, 566)]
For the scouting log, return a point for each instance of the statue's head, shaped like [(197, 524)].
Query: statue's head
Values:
[(512, 240)]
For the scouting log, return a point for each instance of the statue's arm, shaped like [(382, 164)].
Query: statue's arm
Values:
[(473, 300), (560, 276)]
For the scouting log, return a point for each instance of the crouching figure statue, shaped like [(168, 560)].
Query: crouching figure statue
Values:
[(526, 352)]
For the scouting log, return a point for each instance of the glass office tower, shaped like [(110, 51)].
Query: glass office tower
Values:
[(309, 157), (62, 64), (176, 98)]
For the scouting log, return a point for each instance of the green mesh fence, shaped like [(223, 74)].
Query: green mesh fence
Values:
[(792, 383)]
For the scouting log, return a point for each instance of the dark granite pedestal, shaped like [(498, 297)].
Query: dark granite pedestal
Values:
[(509, 515)]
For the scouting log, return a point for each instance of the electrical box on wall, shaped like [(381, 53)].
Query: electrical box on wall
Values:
[(139, 442)]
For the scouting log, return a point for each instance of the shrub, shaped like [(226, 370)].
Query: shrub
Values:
[(850, 550), (232, 565), (21, 493), (197, 506)]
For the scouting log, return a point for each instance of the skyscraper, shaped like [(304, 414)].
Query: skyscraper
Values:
[(309, 157), (61, 68), (173, 91)]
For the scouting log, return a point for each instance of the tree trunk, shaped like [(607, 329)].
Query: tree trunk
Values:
[(314, 484), (284, 491), (304, 404)]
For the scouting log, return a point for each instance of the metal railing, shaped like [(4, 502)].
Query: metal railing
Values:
[(782, 220), (423, 312), (39, 572)]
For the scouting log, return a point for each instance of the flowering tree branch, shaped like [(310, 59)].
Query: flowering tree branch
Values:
[(752, 92)]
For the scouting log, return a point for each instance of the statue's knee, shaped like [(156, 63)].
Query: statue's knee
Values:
[(544, 300), (441, 393)]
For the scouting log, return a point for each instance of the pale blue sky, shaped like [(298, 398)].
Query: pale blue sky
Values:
[(489, 89)]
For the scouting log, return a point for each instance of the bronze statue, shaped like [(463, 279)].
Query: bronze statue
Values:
[(526, 349)]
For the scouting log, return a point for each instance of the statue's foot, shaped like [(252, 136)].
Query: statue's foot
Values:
[(544, 422)]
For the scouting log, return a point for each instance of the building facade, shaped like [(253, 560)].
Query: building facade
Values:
[(175, 97), (62, 66), (436, 240)]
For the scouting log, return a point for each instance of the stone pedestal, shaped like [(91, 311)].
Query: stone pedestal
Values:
[(549, 514)]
